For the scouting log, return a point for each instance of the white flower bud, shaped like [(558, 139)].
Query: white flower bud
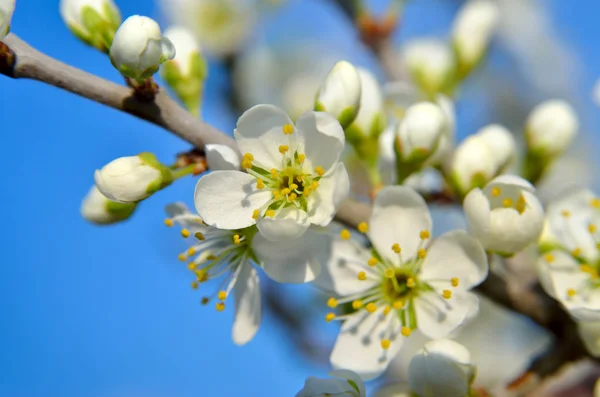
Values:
[(505, 216), (550, 127), (502, 143), (7, 8), (472, 164), (131, 179), (340, 93), (442, 368), (431, 64), (419, 132), (139, 48), (185, 73), (472, 31), (98, 209), (370, 120), (447, 141), (94, 22)]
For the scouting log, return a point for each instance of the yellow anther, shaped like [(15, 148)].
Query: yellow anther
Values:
[(220, 306), (421, 253), (276, 194), (192, 266), (307, 191), (185, 233), (587, 269), (410, 282), (169, 222), (424, 234), (507, 202), (283, 149), (387, 310), (319, 170), (447, 294), (521, 205), (362, 276), (571, 292), (288, 129), (301, 158), (201, 275), (329, 317), (496, 191), (399, 304), (314, 185), (396, 248), (222, 295), (182, 257), (345, 234), (285, 191), (274, 173), (270, 213), (204, 300), (566, 213), (260, 184), (248, 156), (332, 302), (372, 262), (592, 228), (405, 331), (357, 304), (293, 186), (385, 344), (595, 202), (191, 251), (389, 273), (576, 252), (211, 257), (256, 214), (292, 196), (371, 307), (246, 163), (199, 236), (236, 239), (363, 227), (454, 281), (194, 285), (549, 258)]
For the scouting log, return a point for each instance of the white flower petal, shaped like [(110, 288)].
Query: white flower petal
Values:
[(358, 346), (511, 181), (585, 304), (339, 274), (324, 138), (247, 305), (456, 254), (399, 215), (333, 189), (589, 331), (289, 224), (221, 157), (293, 261), (260, 132), (227, 199), (437, 317), (350, 375), (478, 212)]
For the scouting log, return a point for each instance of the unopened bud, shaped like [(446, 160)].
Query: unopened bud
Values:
[(131, 179), (472, 165), (98, 209), (138, 48), (94, 22), (419, 133), (7, 8), (502, 143), (431, 65), (551, 127), (340, 93)]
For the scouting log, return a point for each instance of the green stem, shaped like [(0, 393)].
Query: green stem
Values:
[(534, 167), (181, 172)]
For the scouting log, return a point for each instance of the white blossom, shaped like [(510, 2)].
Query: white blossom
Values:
[(420, 131), (221, 157), (442, 368), (502, 142), (340, 93), (505, 216), (131, 179), (138, 48), (293, 175), (98, 209), (551, 127), (343, 383), (430, 63), (472, 164), (571, 254), (221, 27), (405, 283), (7, 8), (473, 29), (95, 22), (370, 120), (188, 57)]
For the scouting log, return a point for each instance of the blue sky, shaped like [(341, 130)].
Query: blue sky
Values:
[(108, 312)]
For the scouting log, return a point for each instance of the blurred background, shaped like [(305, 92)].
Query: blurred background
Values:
[(107, 311)]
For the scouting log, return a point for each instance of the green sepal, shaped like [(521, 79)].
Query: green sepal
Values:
[(189, 89), (99, 29), (166, 177), (406, 167), (353, 384), (120, 211), (463, 68), (319, 107), (347, 116)]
